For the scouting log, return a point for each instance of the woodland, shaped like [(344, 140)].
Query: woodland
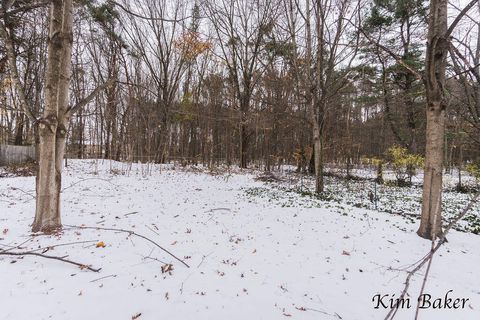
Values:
[(369, 109)]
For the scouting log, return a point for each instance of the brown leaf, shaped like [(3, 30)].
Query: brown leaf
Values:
[(167, 268), (136, 316), (5, 231), (100, 244), (345, 253)]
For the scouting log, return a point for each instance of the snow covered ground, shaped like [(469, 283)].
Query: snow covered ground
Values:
[(250, 256)]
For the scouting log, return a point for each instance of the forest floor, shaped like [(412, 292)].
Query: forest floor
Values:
[(256, 248)]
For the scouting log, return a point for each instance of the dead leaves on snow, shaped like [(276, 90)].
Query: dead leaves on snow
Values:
[(167, 268), (100, 244)]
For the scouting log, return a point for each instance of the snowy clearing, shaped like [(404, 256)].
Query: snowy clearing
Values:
[(249, 257)]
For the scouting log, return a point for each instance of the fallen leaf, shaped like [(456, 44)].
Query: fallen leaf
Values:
[(173, 243), (345, 253), (167, 268), (100, 244), (5, 231)]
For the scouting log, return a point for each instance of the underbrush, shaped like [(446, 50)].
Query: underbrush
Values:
[(290, 190)]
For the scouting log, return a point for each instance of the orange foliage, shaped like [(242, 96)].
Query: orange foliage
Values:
[(191, 45)]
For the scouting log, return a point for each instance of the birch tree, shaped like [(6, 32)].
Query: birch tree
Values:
[(52, 125), (438, 44)]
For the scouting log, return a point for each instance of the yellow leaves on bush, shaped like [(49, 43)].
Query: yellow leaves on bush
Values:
[(474, 170), (404, 163), (100, 244), (400, 157)]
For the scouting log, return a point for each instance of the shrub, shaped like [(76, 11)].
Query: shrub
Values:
[(474, 170), (404, 164)]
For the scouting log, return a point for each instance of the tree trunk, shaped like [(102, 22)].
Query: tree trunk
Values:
[(243, 145), (53, 124), (318, 158), (431, 222), (437, 48)]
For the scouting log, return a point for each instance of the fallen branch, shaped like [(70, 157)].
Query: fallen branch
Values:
[(110, 276), (130, 232), (48, 248), (29, 253), (428, 258)]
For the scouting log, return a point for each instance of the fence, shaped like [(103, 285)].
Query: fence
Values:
[(15, 154)]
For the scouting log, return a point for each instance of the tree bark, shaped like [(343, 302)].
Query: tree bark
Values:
[(318, 156), (53, 124), (437, 48)]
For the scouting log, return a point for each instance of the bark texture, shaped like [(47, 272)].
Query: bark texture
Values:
[(437, 48), (53, 124)]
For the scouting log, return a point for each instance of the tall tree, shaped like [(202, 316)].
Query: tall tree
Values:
[(438, 43), (335, 52), (241, 27), (53, 124)]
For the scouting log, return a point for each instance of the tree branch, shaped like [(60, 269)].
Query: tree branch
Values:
[(29, 253), (459, 17), (82, 103), (130, 12), (429, 256), (25, 8), (399, 60), (12, 65), (130, 232)]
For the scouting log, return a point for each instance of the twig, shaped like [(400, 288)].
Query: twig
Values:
[(47, 248), (155, 259), (130, 232), (110, 276), (203, 259), (423, 285), (442, 239), (17, 246), (25, 192), (152, 230), (83, 180), (28, 253), (218, 209)]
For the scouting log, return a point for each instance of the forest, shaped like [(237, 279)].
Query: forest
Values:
[(244, 110)]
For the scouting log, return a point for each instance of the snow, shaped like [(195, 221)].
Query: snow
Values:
[(250, 256)]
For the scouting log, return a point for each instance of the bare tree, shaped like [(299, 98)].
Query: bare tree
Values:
[(438, 43), (241, 27), (329, 69), (53, 123)]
